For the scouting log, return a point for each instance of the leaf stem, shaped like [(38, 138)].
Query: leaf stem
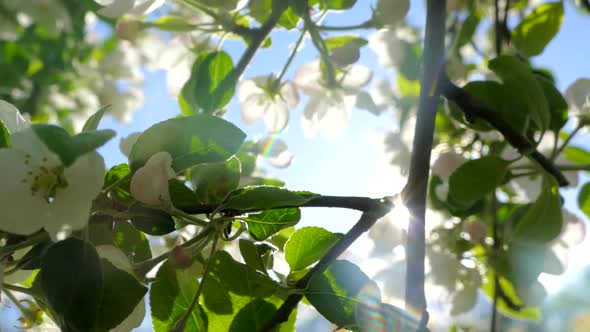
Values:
[(566, 142), (142, 268), (291, 56), (187, 217), (34, 239), (116, 184), (195, 301), (320, 45), (365, 25)]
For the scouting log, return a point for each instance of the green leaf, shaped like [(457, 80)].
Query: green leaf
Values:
[(558, 108), (121, 294), (72, 282), (584, 199), (288, 19), (333, 43), (172, 24), (543, 220), (475, 179), (151, 221), (519, 80), (337, 4), (265, 197), (67, 147), (281, 238), (4, 136), (211, 84), (170, 297), (307, 245), (230, 287), (122, 235), (526, 313), (221, 4), (181, 195), (577, 155), (119, 174), (251, 256), (213, 181), (537, 29), (337, 292), (265, 224), (468, 28), (189, 140), (94, 120)]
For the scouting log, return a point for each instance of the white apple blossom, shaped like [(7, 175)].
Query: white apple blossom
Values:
[(577, 95), (12, 118), (257, 99), (378, 99), (390, 12), (39, 192), (329, 107), (117, 8), (446, 163), (51, 14), (149, 184), (127, 143), (390, 46), (386, 235)]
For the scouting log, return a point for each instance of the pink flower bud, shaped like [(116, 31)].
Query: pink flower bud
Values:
[(180, 258), (128, 30), (149, 184)]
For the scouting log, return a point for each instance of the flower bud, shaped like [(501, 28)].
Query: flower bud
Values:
[(346, 54), (149, 184), (476, 229), (128, 30), (180, 258), (389, 12)]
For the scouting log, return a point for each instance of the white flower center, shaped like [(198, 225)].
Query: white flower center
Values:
[(44, 180)]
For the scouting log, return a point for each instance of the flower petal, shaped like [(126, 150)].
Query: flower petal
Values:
[(290, 94), (71, 208), (356, 77), (577, 93), (11, 117), (149, 184), (117, 8), (254, 107), (146, 7), (126, 143), (308, 78), (276, 117), (247, 88), (20, 212)]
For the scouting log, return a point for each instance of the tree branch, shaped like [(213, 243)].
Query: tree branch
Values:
[(366, 221), (475, 108), (363, 204), (414, 193)]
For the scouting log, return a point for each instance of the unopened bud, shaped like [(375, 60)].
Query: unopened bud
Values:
[(476, 229), (149, 184), (180, 258), (128, 30)]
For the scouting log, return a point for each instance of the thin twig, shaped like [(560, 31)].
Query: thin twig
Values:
[(362, 204), (496, 248), (566, 142), (475, 108), (366, 221), (365, 25), (414, 193)]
